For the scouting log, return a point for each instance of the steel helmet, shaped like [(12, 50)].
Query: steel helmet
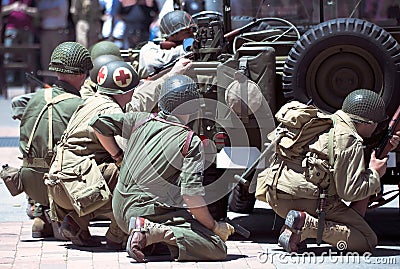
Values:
[(70, 58), (116, 77), (364, 106), (179, 95), (104, 48), (175, 21), (99, 62)]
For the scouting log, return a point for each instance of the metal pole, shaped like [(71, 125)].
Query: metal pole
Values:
[(226, 11)]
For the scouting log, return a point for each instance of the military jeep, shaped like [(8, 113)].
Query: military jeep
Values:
[(251, 57)]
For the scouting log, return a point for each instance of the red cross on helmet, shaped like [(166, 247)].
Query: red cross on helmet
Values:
[(116, 77)]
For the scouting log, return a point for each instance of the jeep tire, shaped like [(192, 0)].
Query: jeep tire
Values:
[(338, 56)]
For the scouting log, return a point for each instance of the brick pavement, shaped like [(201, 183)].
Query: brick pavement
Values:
[(19, 250)]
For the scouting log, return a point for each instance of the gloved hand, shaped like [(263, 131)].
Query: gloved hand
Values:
[(223, 230)]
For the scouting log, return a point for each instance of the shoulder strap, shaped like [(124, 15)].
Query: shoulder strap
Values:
[(189, 136), (48, 92), (330, 143), (89, 107), (187, 143)]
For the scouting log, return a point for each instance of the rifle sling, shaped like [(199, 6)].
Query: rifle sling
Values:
[(189, 136)]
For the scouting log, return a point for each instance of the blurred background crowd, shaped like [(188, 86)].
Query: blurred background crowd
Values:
[(48, 23)]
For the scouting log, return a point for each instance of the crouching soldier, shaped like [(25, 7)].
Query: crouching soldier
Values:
[(159, 194), (43, 121), (83, 174), (307, 188)]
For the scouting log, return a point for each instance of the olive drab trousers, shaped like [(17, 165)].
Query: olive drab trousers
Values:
[(342, 223)]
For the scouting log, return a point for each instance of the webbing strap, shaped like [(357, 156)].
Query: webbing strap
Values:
[(330, 143), (74, 123), (49, 105), (47, 97), (153, 117), (187, 143)]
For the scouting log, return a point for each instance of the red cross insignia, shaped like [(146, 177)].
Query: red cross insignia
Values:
[(102, 75), (122, 77)]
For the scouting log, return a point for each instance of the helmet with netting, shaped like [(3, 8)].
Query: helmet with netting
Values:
[(99, 62), (179, 95), (70, 58), (116, 77), (104, 48), (175, 21), (364, 106)]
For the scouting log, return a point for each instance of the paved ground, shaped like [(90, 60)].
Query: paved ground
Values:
[(19, 250)]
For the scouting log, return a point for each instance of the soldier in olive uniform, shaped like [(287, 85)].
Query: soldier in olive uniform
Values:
[(293, 194), (80, 154), (159, 194), (106, 51), (44, 120)]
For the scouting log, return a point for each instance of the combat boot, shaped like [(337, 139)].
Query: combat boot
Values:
[(41, 228), (137, 239), (147, 238), (290, 238), (79, 236), (115, 237), (30, 208)]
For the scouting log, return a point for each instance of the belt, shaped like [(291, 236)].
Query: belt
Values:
[(36, 162)]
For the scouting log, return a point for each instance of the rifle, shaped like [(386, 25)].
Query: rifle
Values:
[(31, 78), (383, 149), (238, 228), (381, 152)]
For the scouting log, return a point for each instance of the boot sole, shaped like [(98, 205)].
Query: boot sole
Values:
[(41, 235), (135, 254), (74, 237), (285, 239)]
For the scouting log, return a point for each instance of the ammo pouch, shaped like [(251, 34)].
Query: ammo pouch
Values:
[(317, 170), (12, 180), (89, 191)]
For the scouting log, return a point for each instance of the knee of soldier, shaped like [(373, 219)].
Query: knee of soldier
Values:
[(60, 197), (220, 252), (373, 242)]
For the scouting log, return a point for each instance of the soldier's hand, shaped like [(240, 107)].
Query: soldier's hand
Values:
[(395, 140), (378, 164), (223, 230), (181, 66)]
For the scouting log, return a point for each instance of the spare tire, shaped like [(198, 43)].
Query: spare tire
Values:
[(341, 55)]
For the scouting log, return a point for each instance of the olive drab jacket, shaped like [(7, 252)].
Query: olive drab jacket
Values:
[(350, 179), (78, 155), (41, 128), (80, 152), (154, 174)]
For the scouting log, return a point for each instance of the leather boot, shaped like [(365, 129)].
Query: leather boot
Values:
[(30, 208), (290, 236), (301, 225), (78, 235), (115, 237), (55, 225), (137, 239), (41, 228)]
